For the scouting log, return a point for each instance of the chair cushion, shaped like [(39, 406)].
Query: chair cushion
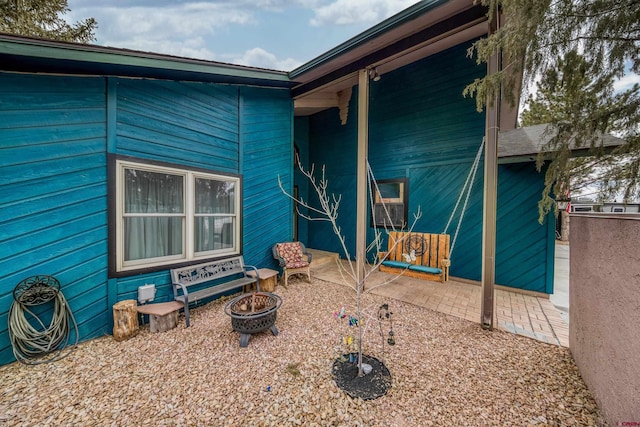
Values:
[(292, 254), (397, 264), (424, 269)]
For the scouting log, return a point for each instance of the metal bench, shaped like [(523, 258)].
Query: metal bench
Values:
[(207, 281)]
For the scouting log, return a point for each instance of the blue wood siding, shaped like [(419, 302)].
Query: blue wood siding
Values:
[(192, 124), (422, 128), (53, 189), (301, 140), (335, 146), (183, 123), (55, 134), (222, 128), (267, 147), (524, 248)]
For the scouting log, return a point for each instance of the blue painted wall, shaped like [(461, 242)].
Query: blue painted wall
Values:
[(422, 128), (267, 145), (335, 146), (53, 193), (222, 128), (55, 135), (301, 140)]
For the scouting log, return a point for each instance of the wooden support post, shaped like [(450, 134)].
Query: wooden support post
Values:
[(361, 178), (125, 320), (490, 192)]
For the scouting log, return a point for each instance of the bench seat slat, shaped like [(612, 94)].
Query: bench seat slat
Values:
[(218, 289)]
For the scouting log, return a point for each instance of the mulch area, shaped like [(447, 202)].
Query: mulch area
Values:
[(444, 371)]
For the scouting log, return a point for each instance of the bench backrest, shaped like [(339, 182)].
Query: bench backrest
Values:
[(200, 273), (429, 249)]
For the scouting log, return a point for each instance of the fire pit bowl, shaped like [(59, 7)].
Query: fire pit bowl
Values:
[(252, 313)]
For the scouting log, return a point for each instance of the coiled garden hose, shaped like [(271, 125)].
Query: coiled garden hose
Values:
[(31, 339)]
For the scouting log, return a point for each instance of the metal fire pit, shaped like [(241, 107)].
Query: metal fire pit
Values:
[(253, 313)]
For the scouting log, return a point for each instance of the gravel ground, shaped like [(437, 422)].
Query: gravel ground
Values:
[(446, 372)]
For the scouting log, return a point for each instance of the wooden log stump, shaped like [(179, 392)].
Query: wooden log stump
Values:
[(125, 320), (162, 316), (158, 323)]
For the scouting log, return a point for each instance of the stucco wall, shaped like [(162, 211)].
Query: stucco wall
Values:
[(604, 328)]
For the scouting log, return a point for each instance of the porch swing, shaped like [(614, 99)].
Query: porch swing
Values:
[(424, 255)]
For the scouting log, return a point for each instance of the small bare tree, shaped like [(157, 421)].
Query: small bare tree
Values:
[(328, 212)]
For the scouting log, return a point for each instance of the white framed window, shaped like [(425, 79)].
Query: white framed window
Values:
[(168, 215)]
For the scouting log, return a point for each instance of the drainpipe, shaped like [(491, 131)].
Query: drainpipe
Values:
[(490, 192), (361, 178)]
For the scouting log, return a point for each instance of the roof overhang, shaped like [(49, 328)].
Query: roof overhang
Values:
[(417, 32), (23, 54), (524, 144)]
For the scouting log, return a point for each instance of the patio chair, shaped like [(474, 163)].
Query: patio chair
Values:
[(293, 259)]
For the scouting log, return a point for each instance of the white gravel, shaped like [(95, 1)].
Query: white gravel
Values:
[(446, 372)]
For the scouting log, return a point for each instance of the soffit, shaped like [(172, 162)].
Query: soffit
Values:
[(442, 26)]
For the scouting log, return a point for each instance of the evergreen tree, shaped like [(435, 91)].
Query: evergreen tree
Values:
[(44, 19), (565, 94), (577, 48)]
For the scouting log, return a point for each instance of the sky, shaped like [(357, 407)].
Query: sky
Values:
[(274, 34)]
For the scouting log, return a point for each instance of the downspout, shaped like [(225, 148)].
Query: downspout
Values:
[(361, 178), (490, 190)]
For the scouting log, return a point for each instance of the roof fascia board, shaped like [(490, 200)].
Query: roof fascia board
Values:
[(46, 49), (547, 156), (373, 32), (442, 27)]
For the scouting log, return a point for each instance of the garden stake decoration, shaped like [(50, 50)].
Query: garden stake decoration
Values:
[(384, 313), (328, 212)]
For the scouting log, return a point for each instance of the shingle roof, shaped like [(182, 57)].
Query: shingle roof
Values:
[(524, 144)]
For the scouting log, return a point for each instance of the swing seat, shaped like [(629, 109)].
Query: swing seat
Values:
[(419, 255)]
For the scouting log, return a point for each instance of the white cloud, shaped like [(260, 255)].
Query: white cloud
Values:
[(258, 57), (626, 82), (179, 30), (346, 12), (176, 21), (222, 29)]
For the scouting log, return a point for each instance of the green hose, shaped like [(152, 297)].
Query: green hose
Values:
[(34, 342)]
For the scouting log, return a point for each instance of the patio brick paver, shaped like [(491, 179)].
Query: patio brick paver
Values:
[(517, 313)]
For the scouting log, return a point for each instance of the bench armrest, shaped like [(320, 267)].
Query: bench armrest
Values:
[(251, 267), (255, 270), (185, 293)]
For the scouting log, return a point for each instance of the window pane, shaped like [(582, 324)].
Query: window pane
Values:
[(213, 196), (212, 233), (152, 237), (389, 190), (153, 192)]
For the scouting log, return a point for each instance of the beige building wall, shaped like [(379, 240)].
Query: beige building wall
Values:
[(604, 301)]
